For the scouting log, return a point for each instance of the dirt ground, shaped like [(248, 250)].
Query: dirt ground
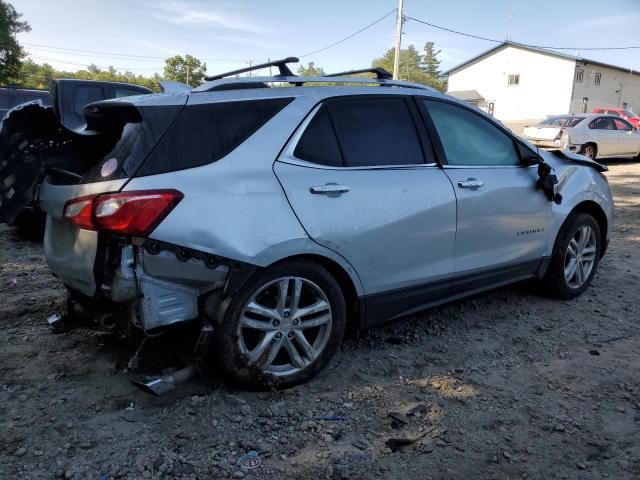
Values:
[(509, 385)]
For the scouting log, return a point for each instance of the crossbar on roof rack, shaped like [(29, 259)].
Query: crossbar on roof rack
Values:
[(380, 73), (281, 64)]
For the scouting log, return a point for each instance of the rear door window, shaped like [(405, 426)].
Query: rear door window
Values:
[(376, 132), (318, 143), (622, 124), (205, 133)]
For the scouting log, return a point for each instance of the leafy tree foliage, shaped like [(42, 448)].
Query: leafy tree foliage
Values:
[(33, 75), (10, 51), (414, 66), (430, 60), (310, 70), (185, 69)]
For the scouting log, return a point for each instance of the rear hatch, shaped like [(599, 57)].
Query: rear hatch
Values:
[(100, 158)]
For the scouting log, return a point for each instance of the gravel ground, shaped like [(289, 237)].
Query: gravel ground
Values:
[(508, 385)]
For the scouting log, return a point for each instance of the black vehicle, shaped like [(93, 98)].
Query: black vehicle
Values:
[(13, 96), (43, 115)]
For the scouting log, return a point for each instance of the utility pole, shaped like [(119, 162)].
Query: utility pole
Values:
[(250, 62), (396, 58), (188, 75), (509, 26)]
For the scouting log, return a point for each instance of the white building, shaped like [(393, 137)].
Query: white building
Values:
[(519, 83)]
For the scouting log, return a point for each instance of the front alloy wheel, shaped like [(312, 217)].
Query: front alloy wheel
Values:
[(575, 257), (282, 327), (580, 257)]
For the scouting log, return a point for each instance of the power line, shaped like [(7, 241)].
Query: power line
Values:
[(349, 36), (125, 55), (477, 37)]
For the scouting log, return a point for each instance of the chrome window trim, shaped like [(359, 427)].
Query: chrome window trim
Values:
[(487, 166), (287, 155)]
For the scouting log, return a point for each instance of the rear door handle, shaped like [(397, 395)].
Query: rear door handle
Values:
[(471, 183), (330, 189)]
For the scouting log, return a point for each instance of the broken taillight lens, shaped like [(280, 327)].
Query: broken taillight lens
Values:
[(135, 213), (78, 211)]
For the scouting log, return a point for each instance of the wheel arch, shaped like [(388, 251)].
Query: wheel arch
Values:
[(356, 309), (596, 211)]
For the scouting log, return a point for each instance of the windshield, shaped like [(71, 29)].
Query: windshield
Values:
[(567, 121)]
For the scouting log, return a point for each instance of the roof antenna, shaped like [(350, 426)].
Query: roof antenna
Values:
[(509, 26)]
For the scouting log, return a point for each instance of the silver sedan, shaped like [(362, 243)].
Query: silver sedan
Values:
[(596, 136)]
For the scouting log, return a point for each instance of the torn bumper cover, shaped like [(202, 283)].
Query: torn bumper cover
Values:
[(162, 283)]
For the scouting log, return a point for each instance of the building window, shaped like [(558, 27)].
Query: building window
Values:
[(579, 75), (585, 105), (624, 105), (514, 80), (596, 78), (491, 108)]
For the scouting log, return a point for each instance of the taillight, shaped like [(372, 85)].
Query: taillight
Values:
[(135, 213), (78, 211)]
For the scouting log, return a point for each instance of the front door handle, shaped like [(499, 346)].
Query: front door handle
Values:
[(330, 189), (471, 183)]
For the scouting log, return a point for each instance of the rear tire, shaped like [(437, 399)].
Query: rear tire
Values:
[(270, 337), (590, 150), (575, 257)]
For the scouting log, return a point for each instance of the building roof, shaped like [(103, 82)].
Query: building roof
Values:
[(543, 51), (467, 95)]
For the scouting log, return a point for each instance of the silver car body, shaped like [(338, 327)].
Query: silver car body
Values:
[(609, 142), (403, 237)]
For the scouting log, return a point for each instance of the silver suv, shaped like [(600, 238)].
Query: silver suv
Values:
[(278, 212)]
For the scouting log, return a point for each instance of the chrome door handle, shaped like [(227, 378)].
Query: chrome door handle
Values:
[(470, 183), (331, 189)]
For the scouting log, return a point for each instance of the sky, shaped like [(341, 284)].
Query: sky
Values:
[(137, 35)]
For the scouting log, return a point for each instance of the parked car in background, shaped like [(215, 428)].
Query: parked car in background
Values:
[(632, 118), (32, 111), (277, 218), (13, 96), (596, 136)]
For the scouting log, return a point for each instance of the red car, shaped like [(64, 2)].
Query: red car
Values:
[(631, 117)]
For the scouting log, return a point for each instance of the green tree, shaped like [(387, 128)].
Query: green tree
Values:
[(412, 67), (185, 69), (10, 51), (310, 70), (430, 61)]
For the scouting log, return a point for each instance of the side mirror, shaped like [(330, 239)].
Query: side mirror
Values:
[(527, 156)]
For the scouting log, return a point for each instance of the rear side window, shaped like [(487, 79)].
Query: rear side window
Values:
[(470, 140), (83, 95), (376, 131), (622, 125), (5, 100), (318, 143), (206, 133)]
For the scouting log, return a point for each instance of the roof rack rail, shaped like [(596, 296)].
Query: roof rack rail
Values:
[(281, 64), (381, 73)]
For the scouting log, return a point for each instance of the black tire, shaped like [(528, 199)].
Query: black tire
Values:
[(225, 349), (554, 281), (590, 150)]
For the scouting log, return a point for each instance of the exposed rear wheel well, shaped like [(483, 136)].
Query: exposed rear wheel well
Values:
[(595, 210), (354, 312)]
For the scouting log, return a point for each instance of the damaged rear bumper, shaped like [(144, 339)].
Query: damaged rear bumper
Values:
[(160, 284)]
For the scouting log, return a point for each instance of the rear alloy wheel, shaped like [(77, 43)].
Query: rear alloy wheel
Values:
[(590, 150), (282, 327), (575, 257)]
